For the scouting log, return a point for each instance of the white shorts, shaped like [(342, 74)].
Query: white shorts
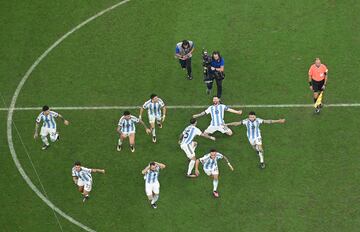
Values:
[(189, 149), (214, 171), (48, 131), (127, 134), (152, 188), (222, 129), (153, 118), (87, 185), (256, 141)]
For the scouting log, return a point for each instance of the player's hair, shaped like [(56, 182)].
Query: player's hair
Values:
[(152, 163), (185, 42), (213, 150), (252, 113), (193, 121), (126, 113), (317, 58), (216, 53), (45, 108), (77, 163), (153, 95)]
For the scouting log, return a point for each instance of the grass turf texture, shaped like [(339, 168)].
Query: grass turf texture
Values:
[(122, 57)]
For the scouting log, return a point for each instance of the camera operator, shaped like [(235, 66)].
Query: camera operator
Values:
[(216, 72), (184, 52)]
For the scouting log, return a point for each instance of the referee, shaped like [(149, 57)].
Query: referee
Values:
[(184, 52), (318, 74)]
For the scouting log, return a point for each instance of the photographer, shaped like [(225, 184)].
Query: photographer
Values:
[(184, 52), (216, 72)]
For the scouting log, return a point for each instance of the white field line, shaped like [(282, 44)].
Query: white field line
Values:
[(179, 107), (12, 108)]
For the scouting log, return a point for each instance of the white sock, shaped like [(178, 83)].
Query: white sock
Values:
[(191, 166), (153, 132), (261, 155), (45, 140), (215, 183), (119, 142)]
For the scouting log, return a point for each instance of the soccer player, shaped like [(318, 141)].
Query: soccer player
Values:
[(183, 52), (217, 117), (318, 74), (210, 166), (126, 128), (48, 127), (188, 145), (152, 185), (83, 179), (252, 124), (154, 107)]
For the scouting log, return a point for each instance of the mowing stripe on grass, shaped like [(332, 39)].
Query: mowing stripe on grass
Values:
[(12, 108), (181, 107)]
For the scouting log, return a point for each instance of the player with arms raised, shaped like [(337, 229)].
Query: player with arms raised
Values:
[(154, 106), (210, 166), (152, 185), (188, 145), (49, 126), (217, 111), (126, 128), (252, 124), (83, 179)]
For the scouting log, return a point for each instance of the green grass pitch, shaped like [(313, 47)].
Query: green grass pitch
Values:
[(311, 182)]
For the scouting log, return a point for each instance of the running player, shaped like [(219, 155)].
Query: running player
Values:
[(154, 107), (83, 179), (318, 74), (152, 185), (188, 145), (126, 128), (217, 117), (48, 127), (253, 133), (210, 166)]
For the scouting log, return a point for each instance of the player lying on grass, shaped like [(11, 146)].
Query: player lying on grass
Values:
[(253, 132), (217, 117), (154, 107), (188, 145), (126, 128), (83, 179), (210, 166), (152, 185), (49, 126)]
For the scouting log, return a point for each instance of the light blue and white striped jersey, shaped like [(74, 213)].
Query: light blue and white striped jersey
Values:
[(48, 120), (154, 108), (84, 174), (152, 176), (128, 125), (217, 114), (209, 163), (189, 134), (253, 127)]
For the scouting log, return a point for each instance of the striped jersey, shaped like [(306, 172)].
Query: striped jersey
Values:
[(209, 163), (154, 108), (217, 114), (189, 134), (48, 120), (128, 125), (84, 174), (253, 128), (152, 176), (181, 51)]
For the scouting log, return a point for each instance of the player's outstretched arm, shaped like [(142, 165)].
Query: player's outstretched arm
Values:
[(147, 130), (94, 170), (161, 165), (239, 112), (233, 124), (164, 110), (208, 136), (197, 167), (275, 121), (66, 122), (145, 170), (36, 133), (180, 138), (199, 115), (228, 163), (141, 112)]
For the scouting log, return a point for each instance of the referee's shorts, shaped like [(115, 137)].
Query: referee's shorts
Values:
[(317, 85)]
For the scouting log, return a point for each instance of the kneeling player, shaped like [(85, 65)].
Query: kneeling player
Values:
[(253, 133), (210, 166), (188, 145), (126, 128), (152, 185), (83, 179), (48, 127)]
